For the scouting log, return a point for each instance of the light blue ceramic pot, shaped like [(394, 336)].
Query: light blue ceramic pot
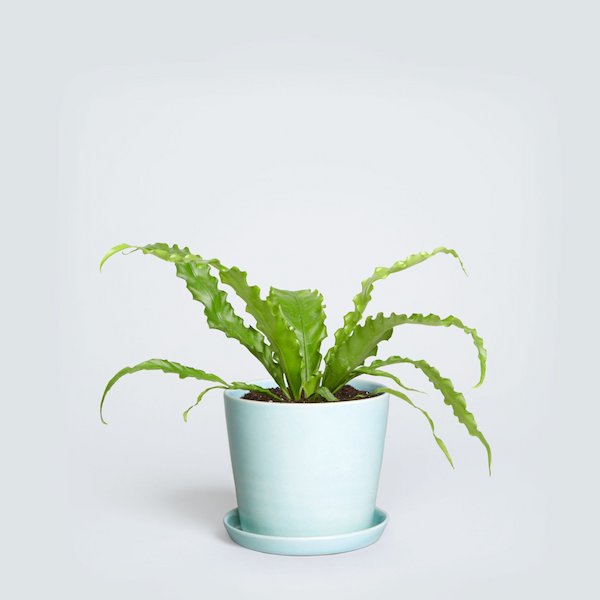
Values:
[(306, 469)]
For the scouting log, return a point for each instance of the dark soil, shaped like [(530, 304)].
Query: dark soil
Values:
[(346, 392)]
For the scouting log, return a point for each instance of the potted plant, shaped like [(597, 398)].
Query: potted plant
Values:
[(307, 443)]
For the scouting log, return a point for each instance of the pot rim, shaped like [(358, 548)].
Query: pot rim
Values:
[(266, 381)]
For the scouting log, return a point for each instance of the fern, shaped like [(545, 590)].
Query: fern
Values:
[(288, 332)]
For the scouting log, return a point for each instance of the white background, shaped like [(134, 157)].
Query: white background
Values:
[(307, 144)]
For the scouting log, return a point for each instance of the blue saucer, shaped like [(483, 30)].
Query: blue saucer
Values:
[(305, 546)]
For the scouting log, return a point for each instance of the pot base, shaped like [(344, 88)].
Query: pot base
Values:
[(305, 546)]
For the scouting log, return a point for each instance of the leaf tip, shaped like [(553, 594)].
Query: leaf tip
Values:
[(112, 252), (481, 380), (102, 409), (489, 458), (460, 262)]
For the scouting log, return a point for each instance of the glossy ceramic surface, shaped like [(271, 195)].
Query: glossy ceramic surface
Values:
[(306, 546), (306, 470)]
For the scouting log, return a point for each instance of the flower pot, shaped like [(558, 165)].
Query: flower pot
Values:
[(306, 470)]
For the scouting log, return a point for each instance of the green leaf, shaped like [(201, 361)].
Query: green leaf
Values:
[(270, 320), (158, 364), (250, 387), (353, 351), (203, 286), (202, 394), (432, 320), (304, 312), (369, 371), (452, 397), (403, 396), (114, 251), (437, 439), (220, 314), (173, 254), (326, 394), (362, 299), (363, 342)]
